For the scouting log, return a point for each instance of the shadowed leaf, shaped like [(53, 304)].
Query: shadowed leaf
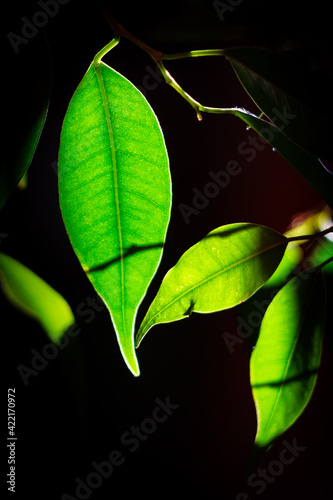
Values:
[(282, 91), (307, 165), (27, 90)]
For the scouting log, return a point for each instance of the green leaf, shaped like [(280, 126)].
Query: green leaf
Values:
[(224, 269), (115, 193), (286, 89), (311, 169), (290, 260), (251, 312), (27, 87), (322, 252), (34, 297), (286, 358)]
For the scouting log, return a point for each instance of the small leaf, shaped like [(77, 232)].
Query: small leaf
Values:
[(34, 297), (115, 193), (286, 358), (224, 269), (285, 89)]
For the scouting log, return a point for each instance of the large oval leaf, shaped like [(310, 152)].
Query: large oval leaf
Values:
[(34, 297), (115, 193), (286, 90), (285, 361), (224, 269)]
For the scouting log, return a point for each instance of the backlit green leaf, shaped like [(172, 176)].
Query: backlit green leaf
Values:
[(286, 358), (224, 269), (34, 297), (115, 193)]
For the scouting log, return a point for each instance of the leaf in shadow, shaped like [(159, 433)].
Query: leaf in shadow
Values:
[(286, 88), (308, 166), (27, 87)]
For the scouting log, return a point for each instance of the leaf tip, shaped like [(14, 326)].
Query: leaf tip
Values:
[(141, 333), (136, 373), (138, 339), (133, 366), (131, 361)]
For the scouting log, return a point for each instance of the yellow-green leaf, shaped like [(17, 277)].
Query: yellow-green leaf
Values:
[(224, 269)]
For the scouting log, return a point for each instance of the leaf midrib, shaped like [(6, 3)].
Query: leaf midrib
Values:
[(290, 357), (235, 264), (115, 179)]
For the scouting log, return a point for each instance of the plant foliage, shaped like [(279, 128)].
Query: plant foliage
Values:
[(112, 178), (115, 199)]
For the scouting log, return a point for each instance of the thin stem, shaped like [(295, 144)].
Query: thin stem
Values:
[(193, 53), (327, 261), (155, 54), (120, 31), (198, 107), (311, 236), (172, 82), (105, 50), (158, 57)]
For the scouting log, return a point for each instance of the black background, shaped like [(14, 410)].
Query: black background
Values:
[(74, 411)]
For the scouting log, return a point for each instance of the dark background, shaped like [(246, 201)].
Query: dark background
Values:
[(74, 411)]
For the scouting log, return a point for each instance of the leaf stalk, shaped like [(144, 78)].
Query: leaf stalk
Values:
[(105, 50), (311, 236)]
